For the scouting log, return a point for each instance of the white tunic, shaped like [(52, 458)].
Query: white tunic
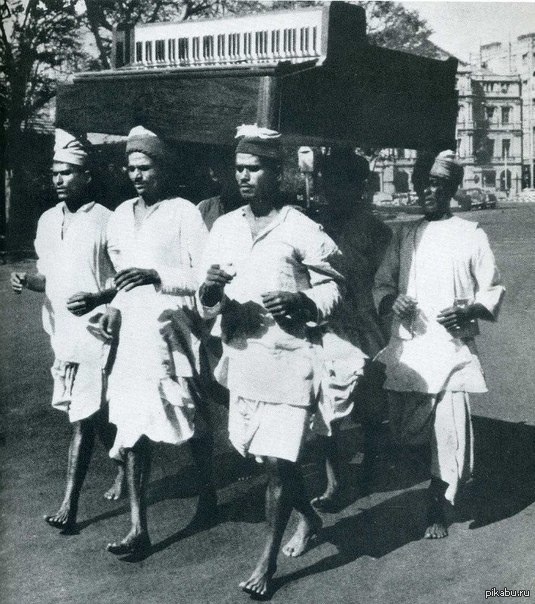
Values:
[(438, 263), (270, 363), (160, 330), (72, 261)]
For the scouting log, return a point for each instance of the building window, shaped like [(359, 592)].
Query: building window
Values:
[(506, 148), (139, 52), (490, 112), (400, 153), (490, 147), (506, 113)]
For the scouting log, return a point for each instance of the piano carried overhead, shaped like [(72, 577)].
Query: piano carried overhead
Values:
[(309, 73)]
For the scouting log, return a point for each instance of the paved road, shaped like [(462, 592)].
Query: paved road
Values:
[(370, 552)]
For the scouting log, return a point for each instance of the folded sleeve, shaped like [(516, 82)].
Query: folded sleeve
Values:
[(489, 290), (210, 256), (322, 258)]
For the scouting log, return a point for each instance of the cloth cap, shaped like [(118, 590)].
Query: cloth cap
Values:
[(446, 166), (144, 141), (70, 150), (262, 142)]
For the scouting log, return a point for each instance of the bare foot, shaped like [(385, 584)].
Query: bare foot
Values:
[(116, 490), (134, 544), (305, 532), (63, 519), (259, 584), (328, 502), (436, 531)]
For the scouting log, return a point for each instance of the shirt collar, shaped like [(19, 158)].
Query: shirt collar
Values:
[(85, 208)]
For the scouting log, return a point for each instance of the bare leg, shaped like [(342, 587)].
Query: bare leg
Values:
[(436, 502), (329, 500), (202, 450), (309, 522), (80, 450), (137, 468), (106, 433), (371, 431), (279, 495)]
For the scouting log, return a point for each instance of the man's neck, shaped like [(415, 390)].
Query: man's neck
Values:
[(262, 207), (437, 216), (72, 206), (147, 202)]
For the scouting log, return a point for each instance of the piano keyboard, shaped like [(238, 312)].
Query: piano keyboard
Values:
[(268, 38)]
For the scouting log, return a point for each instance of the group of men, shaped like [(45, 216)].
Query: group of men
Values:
[(135, 300)]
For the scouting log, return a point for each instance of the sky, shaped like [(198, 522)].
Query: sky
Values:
[(461, 26)]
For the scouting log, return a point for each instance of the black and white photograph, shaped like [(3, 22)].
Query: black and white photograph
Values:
[(267, 301)]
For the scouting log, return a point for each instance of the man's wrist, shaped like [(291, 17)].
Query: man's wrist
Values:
[(155, 277), (210, 296)]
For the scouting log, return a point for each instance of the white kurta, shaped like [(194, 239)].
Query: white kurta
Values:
[(273, 371), (430, 371), (160, 331), (437, 263), (269, 362), (72, 262)]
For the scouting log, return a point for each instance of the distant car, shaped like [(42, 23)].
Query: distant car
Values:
[(479, 199), (492, 200), (464, 200)]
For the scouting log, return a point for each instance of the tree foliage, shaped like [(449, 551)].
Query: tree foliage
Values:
[(39, 45)]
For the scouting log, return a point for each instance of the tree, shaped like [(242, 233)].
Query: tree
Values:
[(38, 45)]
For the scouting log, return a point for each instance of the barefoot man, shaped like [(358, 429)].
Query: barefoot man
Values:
[(268, 273), (362, 239), (438, 278), (155, 242), (72, 270)]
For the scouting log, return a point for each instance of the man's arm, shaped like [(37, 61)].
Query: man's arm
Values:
[(34, 281), (489, 291), (83, 302)]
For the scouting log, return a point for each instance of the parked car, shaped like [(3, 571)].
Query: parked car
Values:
[(463, 199), (475, 199)]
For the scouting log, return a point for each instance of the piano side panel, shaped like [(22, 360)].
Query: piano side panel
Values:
[(383, 99), (193, 109)]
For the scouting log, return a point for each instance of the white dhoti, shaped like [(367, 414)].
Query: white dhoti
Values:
[(148, 391), (444, 422), (267, 429), (78, 388)]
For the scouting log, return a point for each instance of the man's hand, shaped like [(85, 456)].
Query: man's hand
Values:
[(110, 323), (282, 303), (214, 284), (82, 302), (404, 306), (455, 317), (129, 278), (18, 282)]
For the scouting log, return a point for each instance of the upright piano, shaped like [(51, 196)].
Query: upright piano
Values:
[(309, 73)]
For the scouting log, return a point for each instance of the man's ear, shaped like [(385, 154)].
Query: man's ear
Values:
[(88, 176)]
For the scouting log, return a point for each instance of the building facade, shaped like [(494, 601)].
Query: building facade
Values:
[(491, 133), (517, 58)]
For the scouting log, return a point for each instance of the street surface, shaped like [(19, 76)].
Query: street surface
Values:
[(371, 552)]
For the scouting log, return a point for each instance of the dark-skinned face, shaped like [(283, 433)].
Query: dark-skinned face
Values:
[(257, 179), (70, 182), (435, 197), (146, 175)]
